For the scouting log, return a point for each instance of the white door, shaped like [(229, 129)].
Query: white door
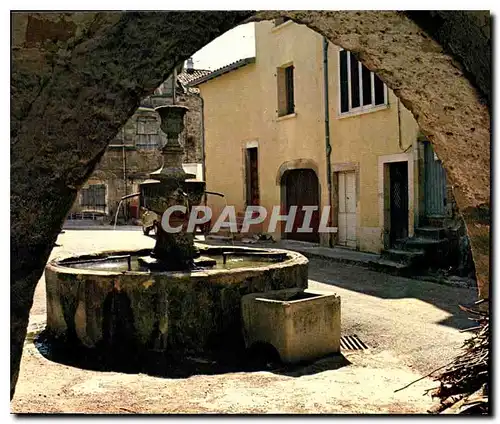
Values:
[(347, 209)]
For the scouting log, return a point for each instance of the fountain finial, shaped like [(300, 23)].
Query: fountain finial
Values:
[(172, 124)]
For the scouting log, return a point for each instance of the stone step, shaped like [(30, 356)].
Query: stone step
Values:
[(434, 221), (437, 233), (436, 251), (410, 257), (421, 243)]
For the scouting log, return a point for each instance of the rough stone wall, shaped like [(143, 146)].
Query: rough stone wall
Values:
[(465, 35), (192, 136), (77, 78), (120, 174)]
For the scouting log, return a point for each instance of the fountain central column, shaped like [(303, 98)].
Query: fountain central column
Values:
[(172, 186)]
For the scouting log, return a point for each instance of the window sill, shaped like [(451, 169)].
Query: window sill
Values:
[(362, 111), (281, 26), (285, 117)]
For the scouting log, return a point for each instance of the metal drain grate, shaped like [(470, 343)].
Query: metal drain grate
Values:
[(352, 343)]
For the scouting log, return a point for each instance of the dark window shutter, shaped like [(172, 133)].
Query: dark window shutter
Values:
[(344, 87), (354, 82), (290, 106), (379, 91), (367, 85), (94, 196)]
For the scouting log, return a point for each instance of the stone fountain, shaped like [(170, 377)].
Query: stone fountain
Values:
[(172, 186), (179, 297)]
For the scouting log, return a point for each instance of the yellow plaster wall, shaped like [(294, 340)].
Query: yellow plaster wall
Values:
[(241, 107)]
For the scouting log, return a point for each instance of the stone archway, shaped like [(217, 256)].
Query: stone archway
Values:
[(295, 164), (77, 78)]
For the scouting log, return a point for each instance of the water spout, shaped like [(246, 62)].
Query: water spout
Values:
[(116, 215), (119, 204)]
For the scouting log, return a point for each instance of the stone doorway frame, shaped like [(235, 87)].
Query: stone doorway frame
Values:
[(292, 165), (384, 194)]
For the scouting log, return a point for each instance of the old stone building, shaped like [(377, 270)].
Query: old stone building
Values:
[(135, 152)]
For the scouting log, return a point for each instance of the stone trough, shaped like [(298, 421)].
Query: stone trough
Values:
[(300, 325)]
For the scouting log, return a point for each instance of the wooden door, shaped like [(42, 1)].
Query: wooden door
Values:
[(347, 209), (252, 177), (398, 175), (302, 189), (435, 184)]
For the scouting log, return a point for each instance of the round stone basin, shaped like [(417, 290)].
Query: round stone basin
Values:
[(101, 304)]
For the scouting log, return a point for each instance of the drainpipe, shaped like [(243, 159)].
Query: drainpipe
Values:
[(328, 147), (124, 163), (204, 173)]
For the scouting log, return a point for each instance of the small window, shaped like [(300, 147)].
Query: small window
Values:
[(355, 92), (94, 197), (359, 88), (286, 101), (344, 82)]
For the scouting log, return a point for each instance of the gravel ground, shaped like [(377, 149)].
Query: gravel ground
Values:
[(411, 326)]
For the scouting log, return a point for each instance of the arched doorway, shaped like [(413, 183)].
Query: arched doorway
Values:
[(301, 188)]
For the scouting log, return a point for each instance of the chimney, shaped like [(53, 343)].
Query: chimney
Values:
[(189, 64)]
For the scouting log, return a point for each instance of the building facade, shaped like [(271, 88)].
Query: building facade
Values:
[(135, 152), (272, 140)]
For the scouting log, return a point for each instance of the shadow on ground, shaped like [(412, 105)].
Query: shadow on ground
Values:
[(387, 286), (258, 358), (364, 280)]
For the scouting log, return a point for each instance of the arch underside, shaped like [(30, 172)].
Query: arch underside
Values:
[(78, 77)]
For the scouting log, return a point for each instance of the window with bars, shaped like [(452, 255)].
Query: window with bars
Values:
[(360, 89), (286, 100), (147, 133), (94, 197)]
